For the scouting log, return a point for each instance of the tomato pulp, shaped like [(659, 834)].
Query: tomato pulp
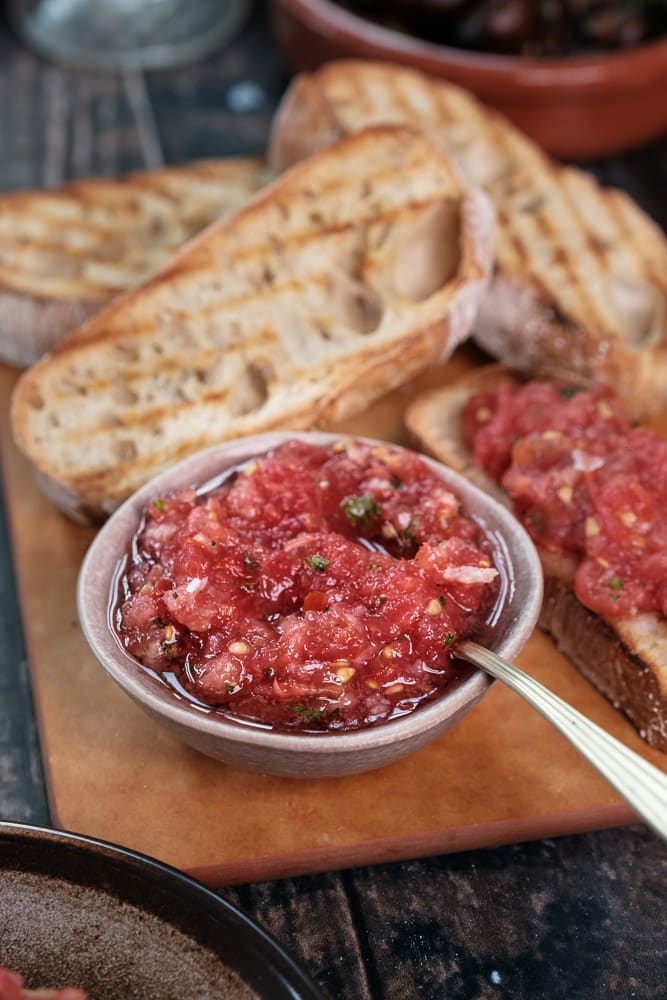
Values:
[(318, 588), (585, 483)]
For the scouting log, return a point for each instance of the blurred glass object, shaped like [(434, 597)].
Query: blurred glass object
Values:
[(127, 35)]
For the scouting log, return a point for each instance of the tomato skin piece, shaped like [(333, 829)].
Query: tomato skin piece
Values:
[(307, 591)]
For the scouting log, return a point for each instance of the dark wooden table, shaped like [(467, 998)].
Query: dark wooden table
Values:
[(577, 917)]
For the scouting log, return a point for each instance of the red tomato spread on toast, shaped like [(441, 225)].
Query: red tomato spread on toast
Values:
[(314, 588), (585, 483)]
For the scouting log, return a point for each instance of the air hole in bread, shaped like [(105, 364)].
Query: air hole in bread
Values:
[(353, 303), (111, 421), (124, 450), (126, 352), (428, 252), (316, 218), (123, 394), (35, 399), (68, 387), (250, 389), (640, 308), (532, 205)]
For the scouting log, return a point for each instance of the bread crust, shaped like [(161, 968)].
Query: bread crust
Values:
[(580, 288), (625, 659), (66, 252), (298, 310)]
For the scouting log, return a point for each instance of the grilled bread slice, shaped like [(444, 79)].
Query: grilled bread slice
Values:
[(345, 277), (624, 658), (65, 252), (580, 287)]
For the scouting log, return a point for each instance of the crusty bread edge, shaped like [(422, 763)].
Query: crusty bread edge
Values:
[(590, 642)]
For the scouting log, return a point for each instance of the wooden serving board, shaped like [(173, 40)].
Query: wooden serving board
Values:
[(502, 775)]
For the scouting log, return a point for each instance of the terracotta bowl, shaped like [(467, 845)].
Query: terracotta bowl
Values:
[(298, 755), (576, 108)]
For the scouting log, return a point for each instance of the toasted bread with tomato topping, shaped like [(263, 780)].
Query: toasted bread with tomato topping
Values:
[(580, 286), (65, 252), (333, 285), (624, 658)]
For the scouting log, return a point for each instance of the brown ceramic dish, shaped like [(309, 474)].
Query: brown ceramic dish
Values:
[(300, 755), (75, 911), (576, 108)]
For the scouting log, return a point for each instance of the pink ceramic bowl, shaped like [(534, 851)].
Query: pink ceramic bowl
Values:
[(576, 108), (299, 755)]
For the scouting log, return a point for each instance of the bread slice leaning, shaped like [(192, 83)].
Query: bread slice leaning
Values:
[(342, 279), (624, 658), (580, 286), (65, 252)]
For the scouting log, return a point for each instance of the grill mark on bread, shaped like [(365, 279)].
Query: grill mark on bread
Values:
[(146, 216), (165, 366)]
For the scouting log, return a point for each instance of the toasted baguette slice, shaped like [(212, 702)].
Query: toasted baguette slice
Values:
[(64, 253), (580, 288), (624, 658), (345, 277)]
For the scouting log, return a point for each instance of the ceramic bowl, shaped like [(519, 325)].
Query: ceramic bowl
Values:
[(576, 108), (76, 911), (298, 755)]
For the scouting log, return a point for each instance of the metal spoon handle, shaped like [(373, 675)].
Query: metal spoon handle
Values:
[(641, 784)]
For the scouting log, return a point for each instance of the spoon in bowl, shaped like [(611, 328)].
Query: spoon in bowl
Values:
[(641, 784)]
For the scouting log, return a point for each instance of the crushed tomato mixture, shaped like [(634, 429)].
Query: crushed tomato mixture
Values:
[(314, 589), (585, 483)]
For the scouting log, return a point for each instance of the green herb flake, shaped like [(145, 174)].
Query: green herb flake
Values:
[(229, 688), (159, 505), (361, 509), (396, 483), (318, 563), (306, 713), (373, 567), (213, 543), (250, 561), (407, 537), (174, 594), (568, 391), (449, 639), (269, 672), (442, 600), (616, 583)]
